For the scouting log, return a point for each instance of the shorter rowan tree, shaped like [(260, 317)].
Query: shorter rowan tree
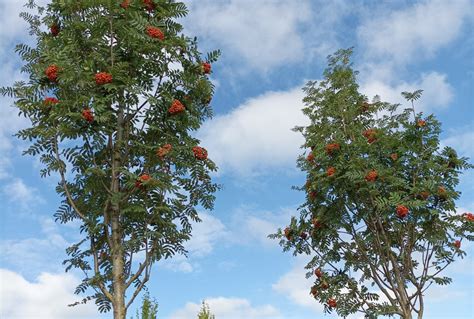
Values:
[(379, 218)]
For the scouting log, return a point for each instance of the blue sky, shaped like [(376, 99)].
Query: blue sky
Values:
[(270, 49)]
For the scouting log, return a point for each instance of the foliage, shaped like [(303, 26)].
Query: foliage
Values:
[(114, 93), (149, 308), (205, 312), (379, 218)]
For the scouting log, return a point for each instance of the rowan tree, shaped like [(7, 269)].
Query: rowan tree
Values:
[(379, 219), (114, 93)]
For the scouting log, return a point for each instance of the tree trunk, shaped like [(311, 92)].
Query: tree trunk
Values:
[(118, 275), (118, 271)]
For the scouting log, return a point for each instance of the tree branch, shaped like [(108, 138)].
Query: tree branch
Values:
[(64, 183)]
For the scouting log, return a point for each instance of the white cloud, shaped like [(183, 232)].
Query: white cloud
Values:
[(205, 235), (462, 142), (416, 31), (20, 196), (10, 122), (32, 255), (296, 287), (437, 92), (13, 30), (258, 224), (257, 134), (228, 308), (45, 298), (252, 30)]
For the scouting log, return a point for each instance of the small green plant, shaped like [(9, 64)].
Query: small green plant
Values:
[(205, 312), (149, 308)]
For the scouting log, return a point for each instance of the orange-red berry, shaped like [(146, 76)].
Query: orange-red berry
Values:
[(162, 151), (332, 303), (332, 148), (149, 5), (402, 211), (88, 115), (206, 68), (142, 179), (155, 33), (54, 29), (318, 273), (125, 4), (50, 101), (371, 176), (176, 107), (103, 78), (457, 244), (469, 217), (421, 123), (370, 135), (52, 72), (200, 153), (330, 171)]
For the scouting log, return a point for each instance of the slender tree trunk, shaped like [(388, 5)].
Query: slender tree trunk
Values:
[(118, 275), (117, 271)]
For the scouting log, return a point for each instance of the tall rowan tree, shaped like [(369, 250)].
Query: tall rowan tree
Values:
[(379, 218), (114, 93)]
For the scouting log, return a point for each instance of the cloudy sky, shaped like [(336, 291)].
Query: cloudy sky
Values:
[(270, 49)]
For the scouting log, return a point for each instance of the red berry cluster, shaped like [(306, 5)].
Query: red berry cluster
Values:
[(176, 107), (155, 33), (457, 244), (394, 156), (371, 176), (288, 233), (332, 303), (318, 273), (206, 68), (142, 179), (50, 101), (52, 72), (370, 135), (316, 223), (442, 192), (402, 211), (310, 157), (200, 153), (54, 29), (469, 217), (103, 78), (330, 171), (365, 106), (149, 5), (162, 151), (125, 4), (421, 123), (332, 148), (424, 195), (88, 115)]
